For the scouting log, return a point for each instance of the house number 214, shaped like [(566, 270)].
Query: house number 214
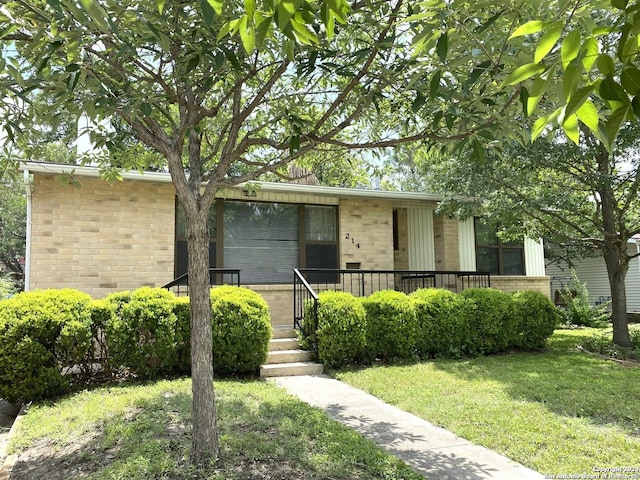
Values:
[(353, 240)]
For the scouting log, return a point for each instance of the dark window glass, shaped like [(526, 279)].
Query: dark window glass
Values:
[(264, 239), (494, 256), (182, 258), (513, 260), (487, 260), (396, 233), (261, 239)]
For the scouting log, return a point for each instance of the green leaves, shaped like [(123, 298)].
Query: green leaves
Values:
[(630, 79), (523, 73), (442, 46), (546, 43), (533, 26), (570, 47)]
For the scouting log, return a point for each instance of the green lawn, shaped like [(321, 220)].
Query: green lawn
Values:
[(142, 432), (556, 412)]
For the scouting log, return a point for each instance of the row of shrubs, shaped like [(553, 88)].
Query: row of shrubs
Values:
[(48, 337), (428, 323)]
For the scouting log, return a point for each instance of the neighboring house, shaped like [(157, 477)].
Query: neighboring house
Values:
[(593, 272), (100, 237)]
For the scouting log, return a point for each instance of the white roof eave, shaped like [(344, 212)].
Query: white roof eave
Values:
[(163, 177)]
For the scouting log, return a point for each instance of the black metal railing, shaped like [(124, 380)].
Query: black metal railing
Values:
[(305, 297), (360, 283), (217, 276)]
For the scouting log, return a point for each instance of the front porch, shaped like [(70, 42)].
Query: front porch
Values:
[(285, 300)]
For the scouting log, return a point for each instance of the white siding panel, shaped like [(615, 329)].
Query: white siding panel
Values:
[(421, 245), (533, 258), (467, 245), (593, 272)]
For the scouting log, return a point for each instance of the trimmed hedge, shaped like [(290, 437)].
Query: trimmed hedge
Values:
[(241, 329), (492, 322), (391, 325), (41, 333), (536, 317), (142, 333), (341, 329), (443, 323), (182, 311)]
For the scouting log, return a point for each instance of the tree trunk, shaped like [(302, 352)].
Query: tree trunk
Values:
[(614, 249), (617, 262), (205, 447)]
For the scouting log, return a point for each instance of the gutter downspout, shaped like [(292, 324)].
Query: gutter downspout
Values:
[(27, 257)]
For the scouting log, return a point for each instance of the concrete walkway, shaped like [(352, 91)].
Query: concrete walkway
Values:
[(432, 451)]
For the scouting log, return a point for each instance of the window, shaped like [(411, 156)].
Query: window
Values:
[(321, 246), (181, 265), (262, 240), (495, 256), (266, 240)]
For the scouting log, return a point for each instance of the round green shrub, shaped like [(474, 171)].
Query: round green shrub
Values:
[(391, 325), (536, 317), (142, 333), (341, 329), (634, 334), (442, 323), (182, 310), (241, 329), (101, 314), (492, 323), (42, 334)]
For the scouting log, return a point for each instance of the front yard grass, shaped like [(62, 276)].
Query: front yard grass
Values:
[(142, 432), (558, 412)]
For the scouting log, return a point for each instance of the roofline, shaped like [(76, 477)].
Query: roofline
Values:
[(164, 177)]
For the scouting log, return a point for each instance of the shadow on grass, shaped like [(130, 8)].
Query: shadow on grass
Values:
[(264, 434), (565, 380), (149, 437)]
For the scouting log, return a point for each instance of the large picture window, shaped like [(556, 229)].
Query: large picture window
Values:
[(181, 264), (495, 256), (266, 240), (262, 240)]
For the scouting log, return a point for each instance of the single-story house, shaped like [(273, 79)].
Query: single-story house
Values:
[(100, 238), (593, 272)]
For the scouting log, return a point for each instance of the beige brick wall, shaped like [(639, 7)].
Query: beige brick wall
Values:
[(445, 233), (514, 283), (101, 238), (280, 300), (368, 223)]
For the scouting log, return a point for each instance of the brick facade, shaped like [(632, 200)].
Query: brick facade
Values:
[(101, 238), (514, 283)]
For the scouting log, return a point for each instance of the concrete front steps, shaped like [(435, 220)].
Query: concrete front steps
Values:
[(285, 357)]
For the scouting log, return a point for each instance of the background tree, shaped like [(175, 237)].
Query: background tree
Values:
[(13, 213), (582, 197)]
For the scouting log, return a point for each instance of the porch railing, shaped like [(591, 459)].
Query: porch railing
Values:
[(304, 296), (360, 283), (217, 276)]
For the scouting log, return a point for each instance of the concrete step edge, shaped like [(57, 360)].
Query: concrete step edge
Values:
[(277, 344), (291, 369), (288, 356)]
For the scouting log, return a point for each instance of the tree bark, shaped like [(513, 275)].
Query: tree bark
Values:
[(614, 249), (617, 262), (205, 447)]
